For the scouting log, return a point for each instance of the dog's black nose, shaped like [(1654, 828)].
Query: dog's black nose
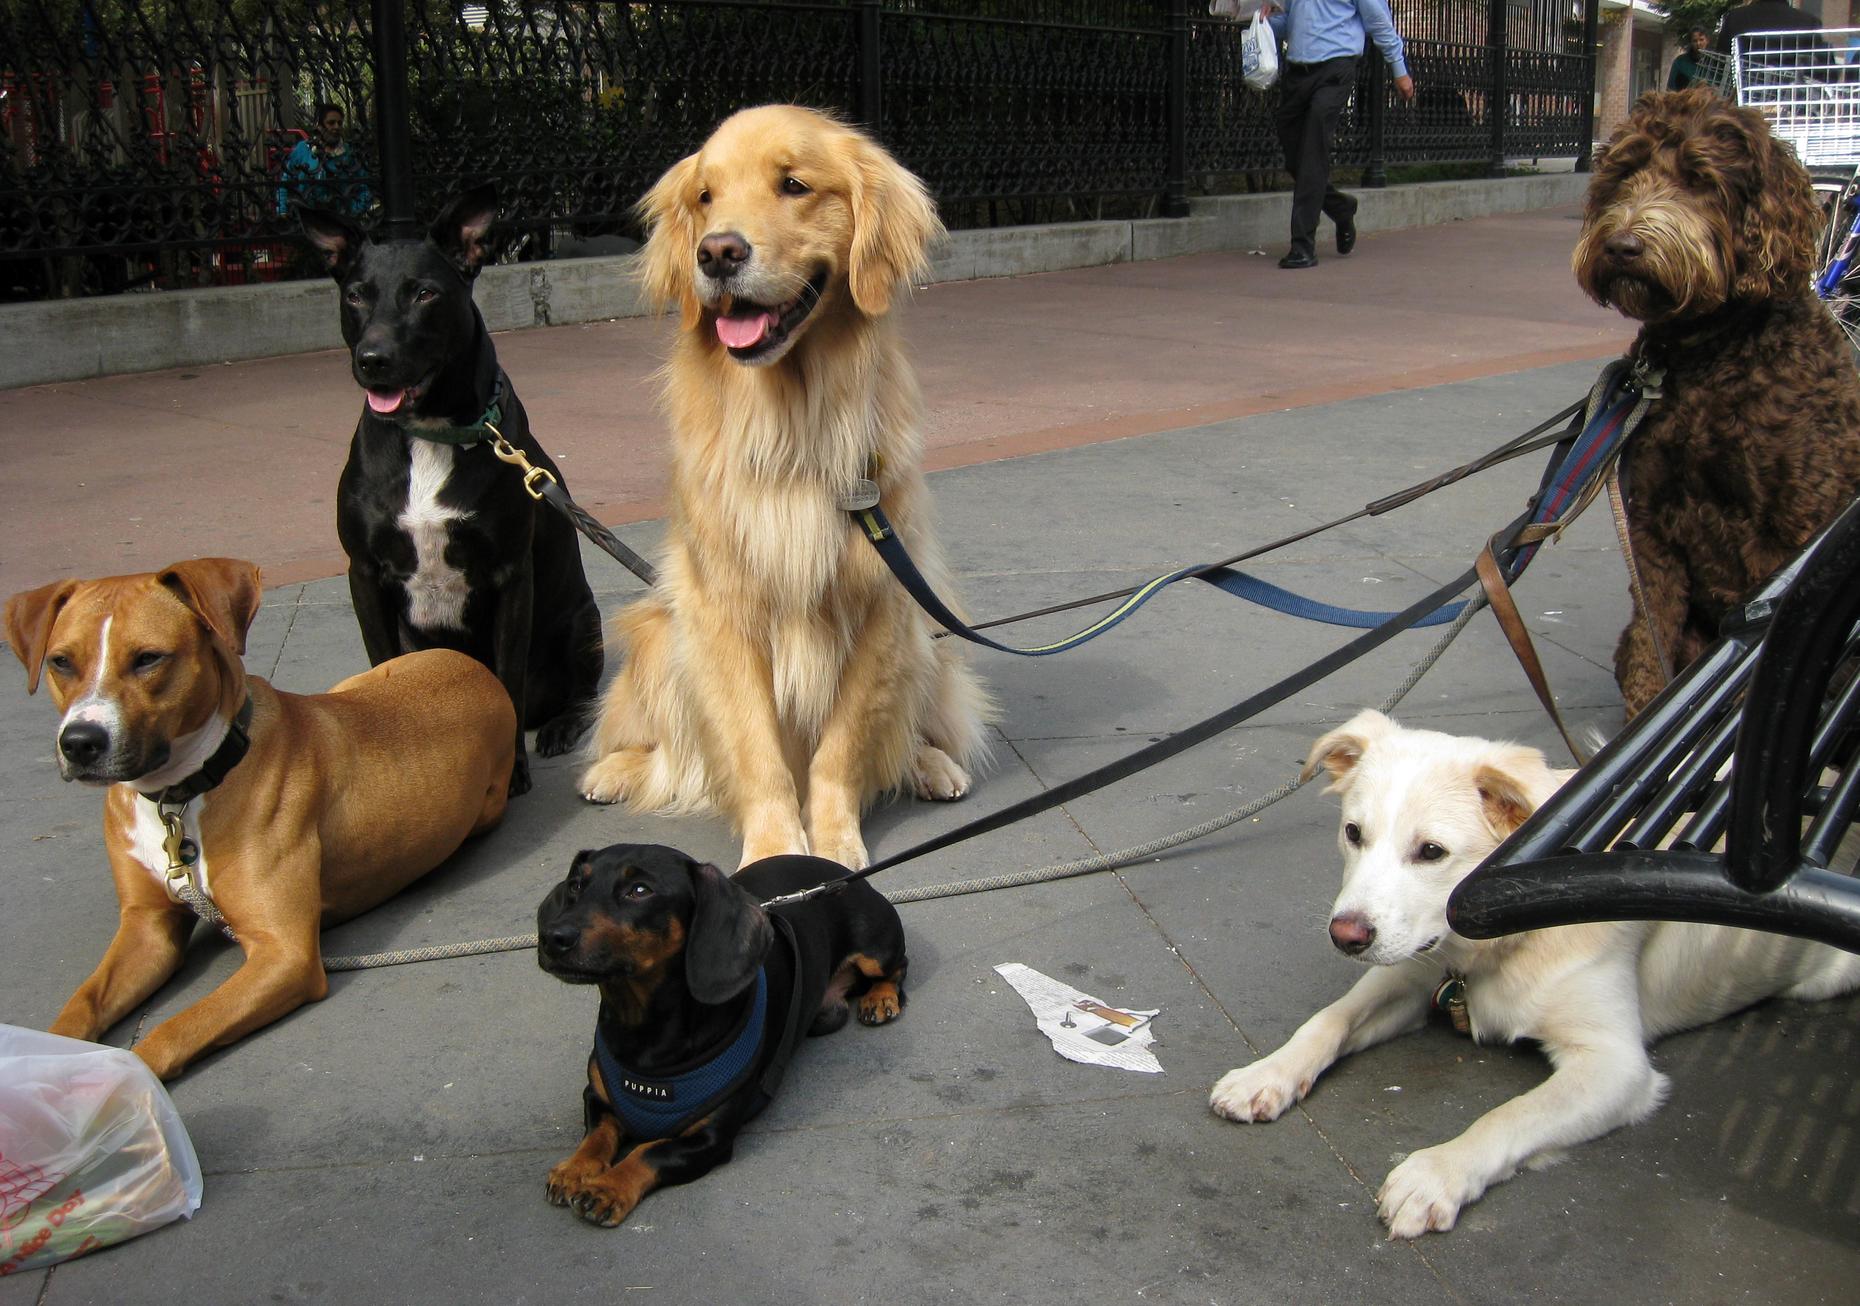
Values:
[(83, 742), (721, 255), (1352, 932), (1624, 245), (371, 362), (561, 938)]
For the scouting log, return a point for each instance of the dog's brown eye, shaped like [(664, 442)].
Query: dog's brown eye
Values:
[(1352, 832), (794, 186), (1430, 852), (60, 664), (636, 890), (703, 197), (149, 659), (425, 295)]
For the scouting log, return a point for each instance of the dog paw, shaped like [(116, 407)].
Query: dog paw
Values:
[(935, 776), (1257, 1093), (520, 776), (1424, 1194), (881, 1004), (598, 1194), (609, 780), (848, 850), (569, 1179), (559, 734)]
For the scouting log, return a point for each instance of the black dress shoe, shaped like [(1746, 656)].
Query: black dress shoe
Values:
[(1299, 258), (1346, 234)]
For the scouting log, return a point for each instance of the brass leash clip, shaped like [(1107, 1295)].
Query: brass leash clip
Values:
[(508, 452)]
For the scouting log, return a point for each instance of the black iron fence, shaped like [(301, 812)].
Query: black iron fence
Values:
[(147, 142)]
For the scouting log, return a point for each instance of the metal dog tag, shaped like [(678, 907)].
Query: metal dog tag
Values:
[(863, 495)]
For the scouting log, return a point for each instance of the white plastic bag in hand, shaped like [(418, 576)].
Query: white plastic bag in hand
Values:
[(92, 1150), (1259, 54)]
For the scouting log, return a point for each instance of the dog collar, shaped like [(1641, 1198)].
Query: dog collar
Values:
[(1449, 999), (465, 436), (229, 754), (658, 1106)]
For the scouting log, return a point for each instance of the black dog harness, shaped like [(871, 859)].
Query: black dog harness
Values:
[(666, 1104)]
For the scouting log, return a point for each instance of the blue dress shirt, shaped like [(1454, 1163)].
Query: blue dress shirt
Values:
[(1316, 30)]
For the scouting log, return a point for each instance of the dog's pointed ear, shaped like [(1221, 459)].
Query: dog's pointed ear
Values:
[(223, 593), (29, 620), (463, 228), (334, 237), (1339, 751), (730, 935), (1506, 779), (894, 225), (666, 264)]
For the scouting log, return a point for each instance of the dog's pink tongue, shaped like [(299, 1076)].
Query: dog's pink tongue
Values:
[(385, 401), (742, 332)]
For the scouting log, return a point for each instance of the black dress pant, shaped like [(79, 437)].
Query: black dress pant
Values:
[(1311, 101)]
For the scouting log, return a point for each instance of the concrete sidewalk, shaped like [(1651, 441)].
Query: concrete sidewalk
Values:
[(390, 1144)]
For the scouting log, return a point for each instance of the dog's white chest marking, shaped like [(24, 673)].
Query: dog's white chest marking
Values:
[(437, 591), (146, 834)]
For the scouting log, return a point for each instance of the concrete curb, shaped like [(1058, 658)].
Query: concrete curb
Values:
[(70, 340)]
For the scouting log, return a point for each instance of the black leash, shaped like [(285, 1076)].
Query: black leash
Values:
[(1509, 551), (1163, 749), (544, 486)]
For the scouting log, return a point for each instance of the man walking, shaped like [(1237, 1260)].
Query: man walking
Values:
[(1324, 42)]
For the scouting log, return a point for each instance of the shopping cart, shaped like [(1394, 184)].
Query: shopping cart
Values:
[(1803, 83)]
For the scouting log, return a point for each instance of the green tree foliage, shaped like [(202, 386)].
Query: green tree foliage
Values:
[(1684, 15)]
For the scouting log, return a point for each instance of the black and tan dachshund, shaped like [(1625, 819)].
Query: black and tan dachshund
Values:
[(704, 994)]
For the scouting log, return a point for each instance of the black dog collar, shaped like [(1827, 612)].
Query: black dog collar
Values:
[(465, 435), (229, 754)]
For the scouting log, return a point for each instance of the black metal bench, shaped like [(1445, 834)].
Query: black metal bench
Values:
[(1778, 698)]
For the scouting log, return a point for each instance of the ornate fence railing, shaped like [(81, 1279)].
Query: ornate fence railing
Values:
[(143, 142)]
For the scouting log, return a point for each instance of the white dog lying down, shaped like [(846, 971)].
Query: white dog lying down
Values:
[(1420, 810)]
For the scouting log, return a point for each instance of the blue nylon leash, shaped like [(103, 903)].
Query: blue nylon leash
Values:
[(1605, 420)]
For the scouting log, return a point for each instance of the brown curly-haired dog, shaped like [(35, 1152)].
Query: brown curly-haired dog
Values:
[(1703, 227)]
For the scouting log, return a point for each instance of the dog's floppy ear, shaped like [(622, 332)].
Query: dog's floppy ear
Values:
[(223, 592), (1781, 232), (334, 237), (894, 224), (1503, 779), (29, 620), (665, 264), (730, 935), (463, 228), (1339, 751)]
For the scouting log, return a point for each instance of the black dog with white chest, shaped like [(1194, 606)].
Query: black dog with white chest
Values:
[(446, 548), (704, 994)]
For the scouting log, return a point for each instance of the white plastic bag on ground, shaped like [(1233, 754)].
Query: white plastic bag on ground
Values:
[(92, 1150), (1259, 54)]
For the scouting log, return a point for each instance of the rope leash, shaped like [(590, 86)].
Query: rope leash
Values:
[(985, 884)]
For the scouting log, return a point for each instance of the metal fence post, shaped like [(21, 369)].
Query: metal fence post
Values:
[(1585, 137), (1500, 103), (1175, 181), (871, 67), (393, 138)]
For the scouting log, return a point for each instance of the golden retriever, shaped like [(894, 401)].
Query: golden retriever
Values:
[(776, 671)]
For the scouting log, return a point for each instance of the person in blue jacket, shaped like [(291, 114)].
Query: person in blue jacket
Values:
[(325, 172), (1324, 43)]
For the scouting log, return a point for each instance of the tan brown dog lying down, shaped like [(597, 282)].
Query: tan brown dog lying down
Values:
[(339, 801)]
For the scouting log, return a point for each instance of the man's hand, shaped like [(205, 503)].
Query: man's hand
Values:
[(1404, 86), (1268, 9)]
